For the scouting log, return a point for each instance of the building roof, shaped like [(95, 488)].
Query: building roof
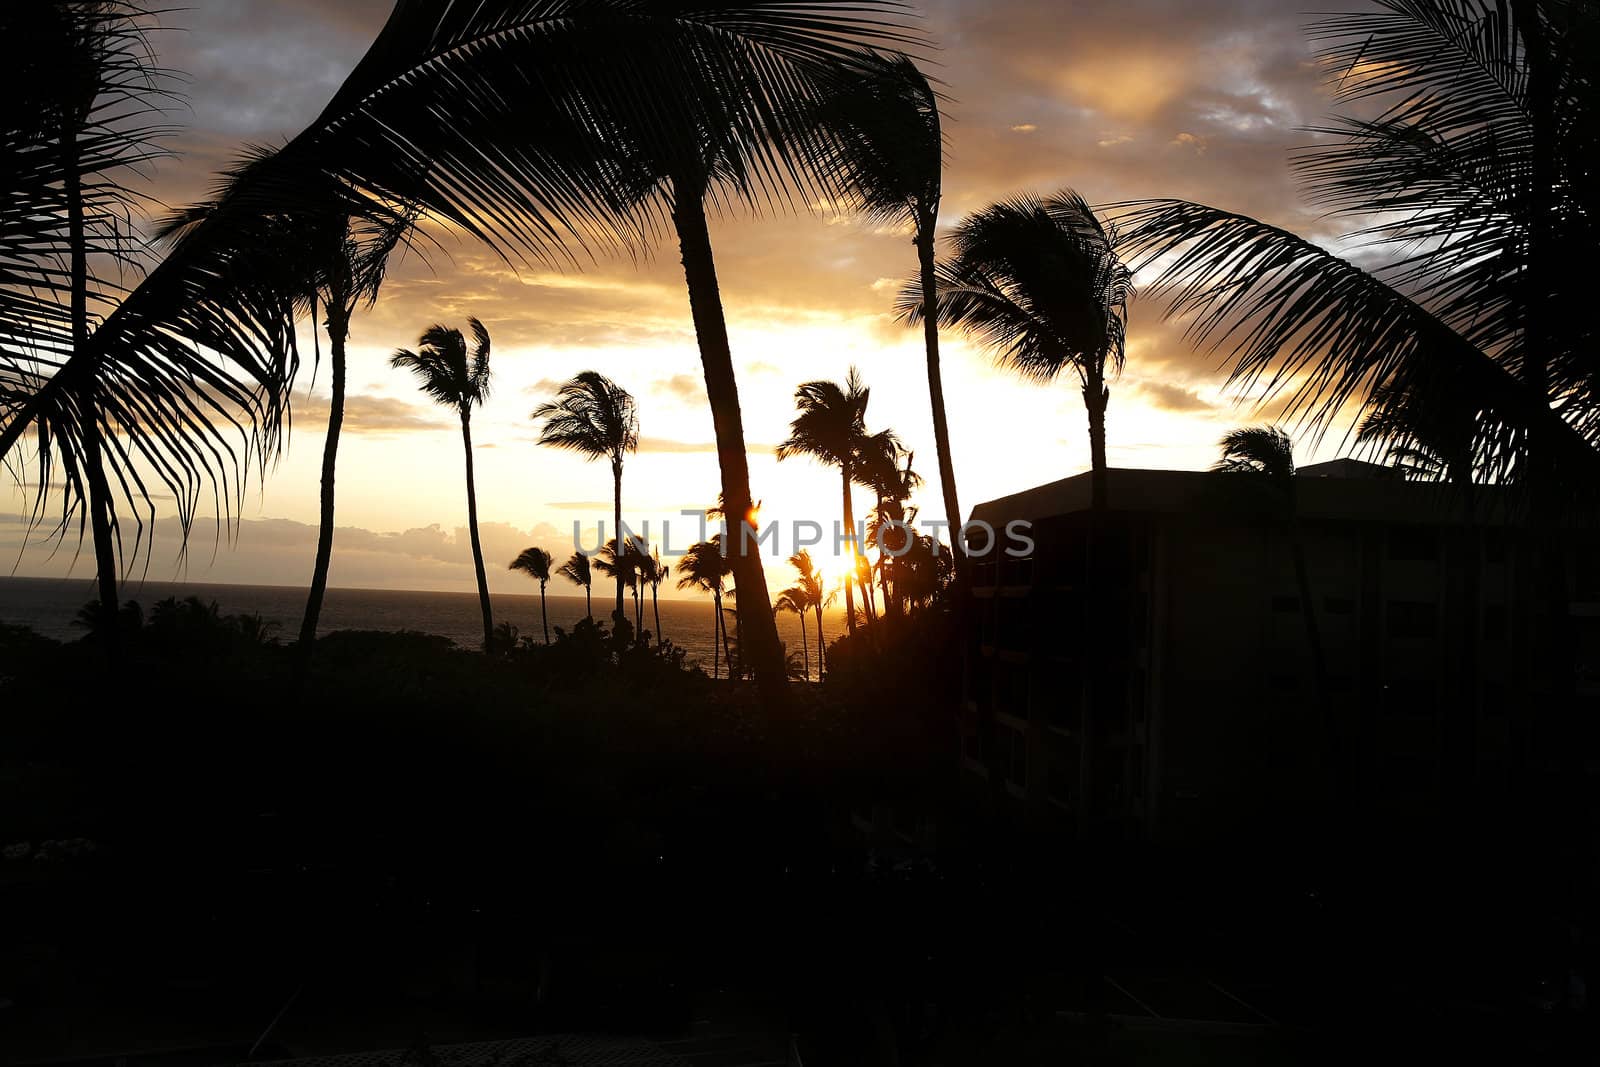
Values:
[(1346, 490)]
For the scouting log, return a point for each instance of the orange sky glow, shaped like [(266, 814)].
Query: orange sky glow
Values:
[(1117, 99)]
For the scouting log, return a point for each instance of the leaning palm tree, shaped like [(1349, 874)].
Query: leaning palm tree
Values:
[(831, 428), (1265, 454), (1466, 175), (794, 599), (1038, 281), (448, 375), (348, 278), (598, 419), (885, 125), (705, 568), (535, 563), (577, 571), (642, 110)]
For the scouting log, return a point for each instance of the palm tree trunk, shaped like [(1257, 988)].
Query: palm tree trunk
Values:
[(1095, 398), (588, 601), (544, 614), (338, 326), (94, 475), (822, 644), (722, 389), (850, 549), (472, 528), (805, 651), (716, 632), (941, 425), (616, 507), (655, 607)]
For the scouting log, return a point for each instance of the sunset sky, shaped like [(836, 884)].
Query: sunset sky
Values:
[(1201, 99)]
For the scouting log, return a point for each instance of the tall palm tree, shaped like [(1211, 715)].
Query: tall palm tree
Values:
[(577, 571), (448, 375), (350, 277), (1448, 309), (704, 567), (794, 599), (1039, 282), (535, 563), (832, 428), (598, 419), (1265, 454), (642, 109), (886, 126)]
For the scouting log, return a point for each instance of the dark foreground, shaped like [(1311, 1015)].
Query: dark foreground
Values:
[(413, 846)]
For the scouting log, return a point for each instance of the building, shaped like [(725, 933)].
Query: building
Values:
[(1148, 673)]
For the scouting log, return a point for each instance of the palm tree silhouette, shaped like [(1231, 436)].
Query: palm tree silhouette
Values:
[(886, 125), (655, 572), (577, 571), (642, 107), (831, 427), (447, 375), (817, 597), (1265, 454), (1039, 282), (705, 568), (597, 418), (624, 568), (889, 527), (348, 278), (1464, 320), (794, 599), (535, 563)]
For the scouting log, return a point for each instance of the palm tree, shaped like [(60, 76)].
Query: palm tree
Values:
[(831, 427), (1266, 455), (642, 109), (447, 375), (624, 568), (350, 277), (889, 527), (655, 572), (816, 595), (535, 563), (705, 568), (886, 126), (577, 571), (1449, 310), (794, 599), (1038, 281), (597, 418)]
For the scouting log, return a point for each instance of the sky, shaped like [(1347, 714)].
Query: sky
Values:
[(1118, 99)]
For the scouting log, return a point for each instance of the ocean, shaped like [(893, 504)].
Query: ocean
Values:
[(48, 605)]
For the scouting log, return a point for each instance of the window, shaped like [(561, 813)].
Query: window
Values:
[(1064, 777), (1413, 619), (1413, 544), (1012, 696)]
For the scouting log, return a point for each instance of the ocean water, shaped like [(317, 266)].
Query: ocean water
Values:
[(48, 605)]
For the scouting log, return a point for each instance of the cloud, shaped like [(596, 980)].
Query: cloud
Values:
[(385, 415), (581, 505), (1024, 127), (1167, 396), (544, 387), (685, 387)]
